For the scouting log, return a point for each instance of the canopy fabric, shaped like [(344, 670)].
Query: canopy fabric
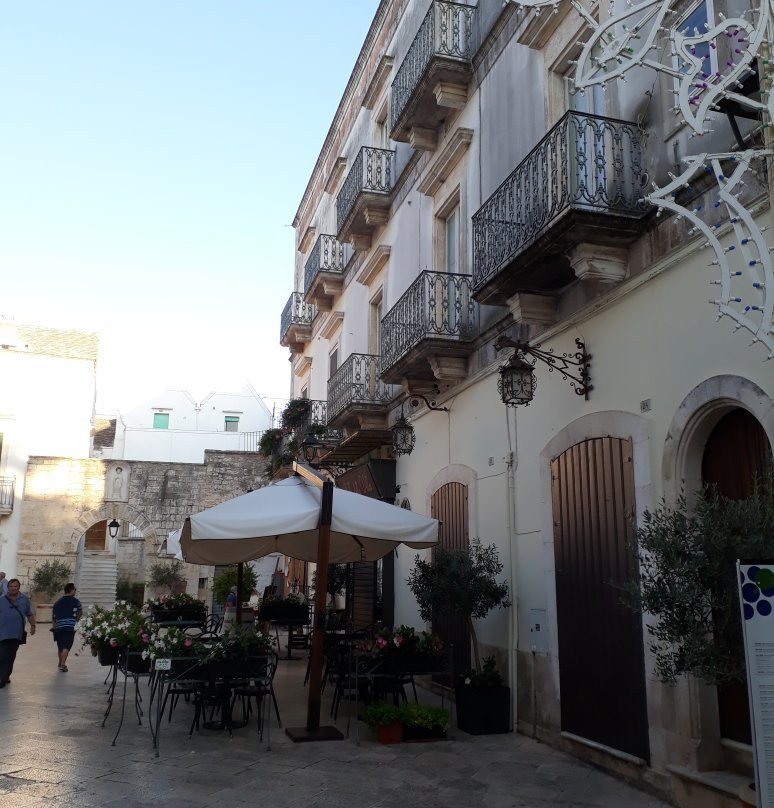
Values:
[(283, 517), (173, 544)]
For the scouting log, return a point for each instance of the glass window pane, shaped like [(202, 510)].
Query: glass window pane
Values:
[(232, 423), (161, 420)]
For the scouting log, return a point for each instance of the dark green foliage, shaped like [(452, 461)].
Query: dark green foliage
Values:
[(131, 592), (295, 413), (50, 578), (228, 578), (166, 574), (271, 440), (458, 582), (381, 714), (488, 676), (461, 582), (425, 716), (337, 579), (688, 580)]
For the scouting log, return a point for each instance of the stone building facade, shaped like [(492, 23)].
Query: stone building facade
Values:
[(65, 497)]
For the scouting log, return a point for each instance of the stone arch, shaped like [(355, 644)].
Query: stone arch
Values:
[(122, 512), (695, 419)]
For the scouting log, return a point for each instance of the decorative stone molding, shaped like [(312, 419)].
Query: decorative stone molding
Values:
[(374, 264), (376, 216), (378, 82), (423, 139), (360, 242), (536, 30), (332, 324), (446, 161), (593, 262), (307, 239), (334, 178), (449, 368), (450, 94), (533, 309), (303, 365)]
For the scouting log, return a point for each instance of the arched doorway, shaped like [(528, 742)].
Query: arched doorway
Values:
[(600, 645), (736, 451), (449, 504)]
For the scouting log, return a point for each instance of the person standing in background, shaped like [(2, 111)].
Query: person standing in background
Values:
[(15, 611), (66, 612), (3, 585)]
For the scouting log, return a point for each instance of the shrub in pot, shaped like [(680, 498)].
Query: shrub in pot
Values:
[(49, 580), (384, 719), (423, 723), (463, 583), (483, 701)]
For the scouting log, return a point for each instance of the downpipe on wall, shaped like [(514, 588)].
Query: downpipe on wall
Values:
[(511, 462)]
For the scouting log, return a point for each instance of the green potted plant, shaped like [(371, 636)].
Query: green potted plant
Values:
[(295, 414), (483, 701), (463, 583), (384, 719), (113, 632), (422, 722), (181, 608), (49, 580), (167, 575), (228, 578)]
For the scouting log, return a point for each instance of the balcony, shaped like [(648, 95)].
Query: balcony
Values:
[(6, 495), (324, 272), (358, 400), (363, 203), (296, 323), (433, 77), (581, 185), (427, 335)]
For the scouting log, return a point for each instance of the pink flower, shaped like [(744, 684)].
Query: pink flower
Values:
[(114, 643), (398, 639), (381, 642), (145, 638), (187, 642)]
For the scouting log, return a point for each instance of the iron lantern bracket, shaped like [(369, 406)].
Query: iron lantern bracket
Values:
[(572, 367)]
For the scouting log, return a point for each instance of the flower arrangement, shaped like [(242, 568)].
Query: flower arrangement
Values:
[(402, 640), (122, 627), (238, 643), (174, 603), (171, 643)]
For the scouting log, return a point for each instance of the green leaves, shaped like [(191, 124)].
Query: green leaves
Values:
[(688, 579)]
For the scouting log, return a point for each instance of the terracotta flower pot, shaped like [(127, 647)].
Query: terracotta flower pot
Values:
[(391, 733)]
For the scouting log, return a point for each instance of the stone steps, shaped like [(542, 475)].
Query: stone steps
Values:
[(96, 581)]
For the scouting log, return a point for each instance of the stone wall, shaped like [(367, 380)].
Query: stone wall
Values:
[(63, 497)]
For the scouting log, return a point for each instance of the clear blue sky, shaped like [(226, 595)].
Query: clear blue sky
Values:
[(152, 153)]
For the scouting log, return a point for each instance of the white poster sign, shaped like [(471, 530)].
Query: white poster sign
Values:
[(756, 593)]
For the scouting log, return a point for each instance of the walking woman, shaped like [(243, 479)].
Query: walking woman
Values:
[(15, 610)]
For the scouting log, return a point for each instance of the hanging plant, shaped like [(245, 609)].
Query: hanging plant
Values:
[(295, 414), (271, 441)]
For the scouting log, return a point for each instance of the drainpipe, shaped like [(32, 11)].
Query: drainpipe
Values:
[(511, 462)]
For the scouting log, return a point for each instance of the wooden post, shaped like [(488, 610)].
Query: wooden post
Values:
[(240, 586)]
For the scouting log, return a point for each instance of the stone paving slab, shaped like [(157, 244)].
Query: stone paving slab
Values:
[(60, 755)]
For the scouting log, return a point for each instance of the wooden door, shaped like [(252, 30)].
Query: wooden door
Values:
[(601, 656), (736, 451), (95, 536), (449, 504)]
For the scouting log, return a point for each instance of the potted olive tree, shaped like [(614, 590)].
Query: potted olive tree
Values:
[(48, 581), (464, 583), (688, 582)]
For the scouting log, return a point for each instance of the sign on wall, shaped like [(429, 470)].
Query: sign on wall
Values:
[(756, 594)]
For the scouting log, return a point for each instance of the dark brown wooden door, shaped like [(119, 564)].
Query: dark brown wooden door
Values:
[(736, 451), (95, 536), (449, 504), (601, 657)]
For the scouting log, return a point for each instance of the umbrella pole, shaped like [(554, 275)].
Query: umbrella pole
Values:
[(239, 597), (313, 731)]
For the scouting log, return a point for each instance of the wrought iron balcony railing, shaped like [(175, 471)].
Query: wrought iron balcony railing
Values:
[(446, 32), (358, 384), (586, 162), (437, 306), (326, 256), (296, 312), (373, 172), (6, 494)]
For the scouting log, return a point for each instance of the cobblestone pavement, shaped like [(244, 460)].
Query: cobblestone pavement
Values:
[(54, 752)]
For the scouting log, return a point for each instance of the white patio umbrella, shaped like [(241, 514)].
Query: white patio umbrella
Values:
[(284, 517), (306, 518)]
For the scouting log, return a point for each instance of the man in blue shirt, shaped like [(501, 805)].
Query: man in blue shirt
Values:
[(66, 612), (15, 610)]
